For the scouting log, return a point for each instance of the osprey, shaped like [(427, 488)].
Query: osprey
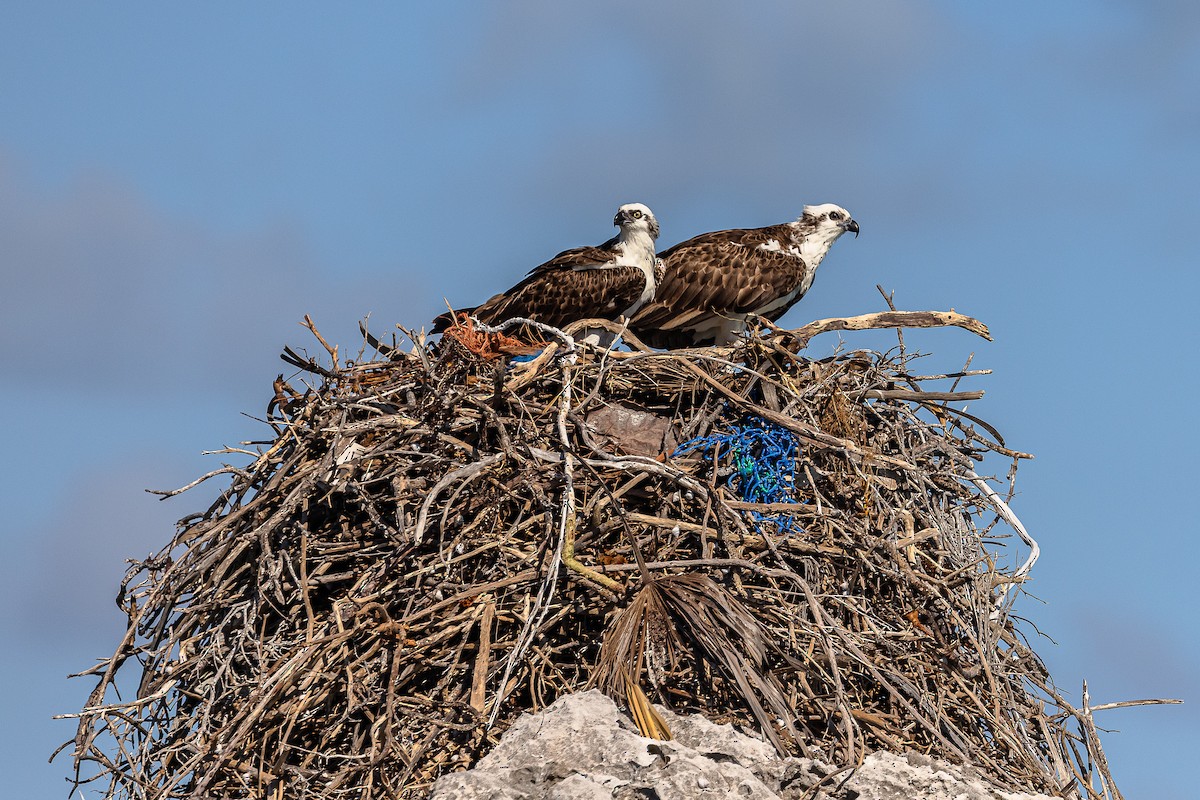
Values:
[(606, 281), (712, 282)]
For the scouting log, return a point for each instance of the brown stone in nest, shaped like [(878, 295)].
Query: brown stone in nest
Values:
[(634, 431)]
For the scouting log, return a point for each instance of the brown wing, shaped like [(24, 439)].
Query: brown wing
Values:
[(561, 295), (532, 296), (718, 274), (579, 257)]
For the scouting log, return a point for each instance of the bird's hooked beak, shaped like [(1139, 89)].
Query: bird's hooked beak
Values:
[(852, 226), (622, 216)]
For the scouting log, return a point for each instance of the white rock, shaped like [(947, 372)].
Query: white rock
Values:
[(583, 748)]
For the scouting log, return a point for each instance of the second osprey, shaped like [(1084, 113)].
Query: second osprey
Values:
[(712, 282), (608, 281)]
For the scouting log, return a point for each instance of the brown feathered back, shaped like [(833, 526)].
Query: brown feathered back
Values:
[(605, 281), (713, 281)]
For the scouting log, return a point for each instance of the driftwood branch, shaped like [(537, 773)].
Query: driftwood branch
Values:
[(800, 337)]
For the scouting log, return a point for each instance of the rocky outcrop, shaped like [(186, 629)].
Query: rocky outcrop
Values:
[(583, 748)]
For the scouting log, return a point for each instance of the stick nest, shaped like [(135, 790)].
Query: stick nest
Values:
[(436, 540)]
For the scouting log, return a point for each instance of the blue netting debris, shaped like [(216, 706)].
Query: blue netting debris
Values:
[(763, 460)]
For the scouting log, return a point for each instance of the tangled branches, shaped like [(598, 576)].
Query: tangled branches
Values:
[(437, 540)]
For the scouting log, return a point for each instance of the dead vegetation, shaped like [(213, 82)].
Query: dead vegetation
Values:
[(435, 540)]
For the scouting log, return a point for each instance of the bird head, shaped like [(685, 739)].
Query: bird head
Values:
[(635, 217), (828, 221)]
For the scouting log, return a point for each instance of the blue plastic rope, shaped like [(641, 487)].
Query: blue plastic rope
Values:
[(525, 358), (763, 457)]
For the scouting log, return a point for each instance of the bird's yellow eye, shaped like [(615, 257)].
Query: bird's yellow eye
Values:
[(637, 215)]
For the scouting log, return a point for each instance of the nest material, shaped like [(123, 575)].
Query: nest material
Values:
[(435, 541)]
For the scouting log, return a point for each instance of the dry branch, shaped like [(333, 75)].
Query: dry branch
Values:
[(889, 319)]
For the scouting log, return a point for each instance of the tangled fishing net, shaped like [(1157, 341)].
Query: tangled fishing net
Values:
[(437, 538)]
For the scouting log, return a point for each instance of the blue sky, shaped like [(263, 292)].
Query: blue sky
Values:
[(179, 186)]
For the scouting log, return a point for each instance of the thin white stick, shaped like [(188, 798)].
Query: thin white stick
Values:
[(1015, 523), (545, 594), (1131, 703), (462, 473), (566, 338)]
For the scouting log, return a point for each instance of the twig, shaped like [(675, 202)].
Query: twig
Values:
[(331, 349), (1002, 601), (887, 319), (483, 659)]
